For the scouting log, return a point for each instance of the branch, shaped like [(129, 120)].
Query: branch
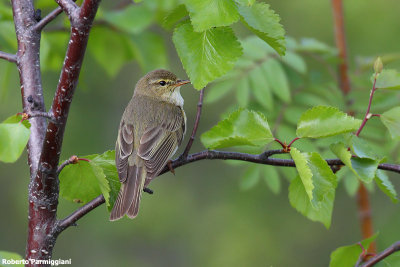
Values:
[(68, 6), (72, 160), (46, 20), (9, 57), (196, 125), (387, 252), (340, 39), (75, 216), (263, 158)]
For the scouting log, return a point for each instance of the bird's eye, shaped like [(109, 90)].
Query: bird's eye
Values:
[(162, 83)]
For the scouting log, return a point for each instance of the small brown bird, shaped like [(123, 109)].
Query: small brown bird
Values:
[(151, 129)]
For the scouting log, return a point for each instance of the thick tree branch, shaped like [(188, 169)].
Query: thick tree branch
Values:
[(9, 57), (44, 147), (387, 252), (196, 125), (46, 20)]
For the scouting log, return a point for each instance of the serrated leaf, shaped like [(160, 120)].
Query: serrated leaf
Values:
[(261, 88), (391, 119), (242, 92), (132, 19), (362, 149), (174, 16), (14, 136), (255, 49), (205, 14), (263, 21), (295, 61), (242, 127), (250, 177), (219, 90), (383, 182), (101, 39), (277, 78), (150, 51), (316, 176), (245, 2), (6, 255), (106, 161), (347, 256), (324, 121), (387, 79), (83, 181), (300, 201), (206, 55), (363, 168), (271, 178)]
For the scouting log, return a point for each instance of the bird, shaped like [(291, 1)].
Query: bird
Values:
[(151, 129)]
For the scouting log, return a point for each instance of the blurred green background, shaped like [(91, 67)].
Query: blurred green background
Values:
[(199, 217)]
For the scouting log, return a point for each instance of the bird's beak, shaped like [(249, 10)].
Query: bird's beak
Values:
[(181, 82)]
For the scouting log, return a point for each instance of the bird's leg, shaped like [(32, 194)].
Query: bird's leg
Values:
[(171, 169)]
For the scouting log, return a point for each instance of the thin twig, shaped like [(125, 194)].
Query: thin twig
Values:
[(9, 57), (263, 158), (72, 160), (46, 20), (75, 216), (387, 252), (367, 115), (196, 125)]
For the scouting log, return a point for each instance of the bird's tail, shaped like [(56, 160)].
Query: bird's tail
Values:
[(129, 195)]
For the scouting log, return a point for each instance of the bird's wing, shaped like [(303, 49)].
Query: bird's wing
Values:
[(123, 149), (159, 142)]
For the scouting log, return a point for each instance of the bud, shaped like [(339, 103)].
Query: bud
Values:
[(378, 65)]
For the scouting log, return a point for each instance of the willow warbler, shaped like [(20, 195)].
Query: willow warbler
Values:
[(150, 131)]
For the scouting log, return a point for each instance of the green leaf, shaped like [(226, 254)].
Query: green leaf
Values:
[(261, 88), (101, 39), (295, 61), (271, 178), (317, 177), (324, 121), (242, 127), (132, 19), (391, 119), (277, 78), (242, 92), (150, 51), (245, 2), (363, 168), (263, 21), (300, 201), (106, 161), (314, 46), (205, 14), (14, 258), (362, 149), (250, 177), (347, 256), (174, 16), (301, 161), (383, 182), (13, 138), (387, 79), (206, 55), (219, 90), (83, 181)]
